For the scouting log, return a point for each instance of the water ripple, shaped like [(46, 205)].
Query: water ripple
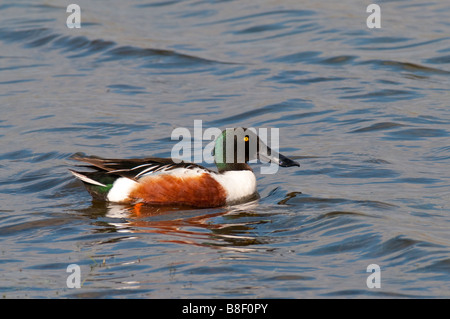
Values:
[(405, 66), (364, 111), (378, 127), (108, 50)]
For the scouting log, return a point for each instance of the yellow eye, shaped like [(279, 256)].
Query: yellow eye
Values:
[(246, 139)]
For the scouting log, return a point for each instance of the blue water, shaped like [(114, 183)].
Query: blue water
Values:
[(365, 111)]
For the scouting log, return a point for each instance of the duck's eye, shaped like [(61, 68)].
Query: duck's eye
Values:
[(246, 139)]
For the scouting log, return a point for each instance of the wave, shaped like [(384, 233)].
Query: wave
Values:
[(104, 50)]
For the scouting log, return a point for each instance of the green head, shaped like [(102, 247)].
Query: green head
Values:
[(235, 147)]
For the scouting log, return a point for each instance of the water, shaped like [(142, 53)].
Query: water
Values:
[(366, 113)]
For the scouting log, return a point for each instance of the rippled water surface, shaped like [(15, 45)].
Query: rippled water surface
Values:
[(365, 111)]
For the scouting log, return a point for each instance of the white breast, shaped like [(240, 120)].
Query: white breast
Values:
[(120, 190), (237, 184)]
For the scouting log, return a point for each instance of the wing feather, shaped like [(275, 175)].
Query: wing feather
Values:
[(133, 168)]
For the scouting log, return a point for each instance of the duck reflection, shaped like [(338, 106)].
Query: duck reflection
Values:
[(231, 228)]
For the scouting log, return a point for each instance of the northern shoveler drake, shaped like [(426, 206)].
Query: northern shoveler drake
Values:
[(162, 181)]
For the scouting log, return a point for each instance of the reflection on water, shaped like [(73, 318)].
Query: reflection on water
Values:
[(191, 226), (365, 110)]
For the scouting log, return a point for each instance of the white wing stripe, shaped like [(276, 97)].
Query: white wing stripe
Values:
[(87, 179), (145, 171)]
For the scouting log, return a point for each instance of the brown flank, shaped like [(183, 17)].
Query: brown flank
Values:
[(197, 191)]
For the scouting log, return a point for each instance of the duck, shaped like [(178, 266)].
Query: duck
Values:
[(171, 182)]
